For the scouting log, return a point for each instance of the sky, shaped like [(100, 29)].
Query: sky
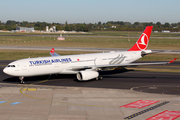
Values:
[(90, 11)]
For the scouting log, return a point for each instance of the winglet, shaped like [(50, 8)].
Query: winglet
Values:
[(172, 60)]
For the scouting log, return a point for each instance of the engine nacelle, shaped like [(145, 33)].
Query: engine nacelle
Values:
[(87, 75)]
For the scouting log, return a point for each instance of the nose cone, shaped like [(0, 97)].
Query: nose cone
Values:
[(5, 70)]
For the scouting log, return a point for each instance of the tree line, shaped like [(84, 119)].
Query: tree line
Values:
[(110, 25)]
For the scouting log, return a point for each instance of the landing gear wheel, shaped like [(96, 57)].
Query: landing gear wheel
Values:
[(21, 80), (99, 78)]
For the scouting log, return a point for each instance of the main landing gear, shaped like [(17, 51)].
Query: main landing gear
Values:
[(21, 80), (99, 78)]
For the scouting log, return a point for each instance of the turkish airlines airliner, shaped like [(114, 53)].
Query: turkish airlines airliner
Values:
[(85, 66)]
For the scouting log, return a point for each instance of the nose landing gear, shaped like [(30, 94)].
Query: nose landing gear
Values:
[(21, 80)]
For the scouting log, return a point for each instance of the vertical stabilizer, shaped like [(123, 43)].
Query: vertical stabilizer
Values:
[(143, 40)]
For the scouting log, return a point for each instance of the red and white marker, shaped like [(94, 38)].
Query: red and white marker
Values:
[(140, 104), (166, 115)]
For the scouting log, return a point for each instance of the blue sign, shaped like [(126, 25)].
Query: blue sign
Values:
[(2, 102), (15, 103)]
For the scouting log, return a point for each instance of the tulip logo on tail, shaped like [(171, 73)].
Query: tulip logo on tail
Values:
[(142, 42)]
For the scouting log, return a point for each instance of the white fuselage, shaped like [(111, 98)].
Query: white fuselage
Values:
[(63, 64)]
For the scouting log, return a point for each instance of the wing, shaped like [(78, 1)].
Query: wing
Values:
[(52, 53), (117, 65)]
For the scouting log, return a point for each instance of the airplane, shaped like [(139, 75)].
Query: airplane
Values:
[(85, 66)]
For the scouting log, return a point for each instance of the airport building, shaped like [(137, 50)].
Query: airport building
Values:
[(52, 29), (165, 31), (25, 29)]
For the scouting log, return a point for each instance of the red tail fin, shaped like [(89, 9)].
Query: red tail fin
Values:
[(143, 41), (52, 51)]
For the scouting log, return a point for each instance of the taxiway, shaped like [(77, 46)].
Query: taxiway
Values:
[(62, 97)]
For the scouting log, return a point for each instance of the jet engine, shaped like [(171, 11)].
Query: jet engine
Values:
[(87, 75)]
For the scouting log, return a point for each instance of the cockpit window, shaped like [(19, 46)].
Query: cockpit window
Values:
[(11, 66)]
